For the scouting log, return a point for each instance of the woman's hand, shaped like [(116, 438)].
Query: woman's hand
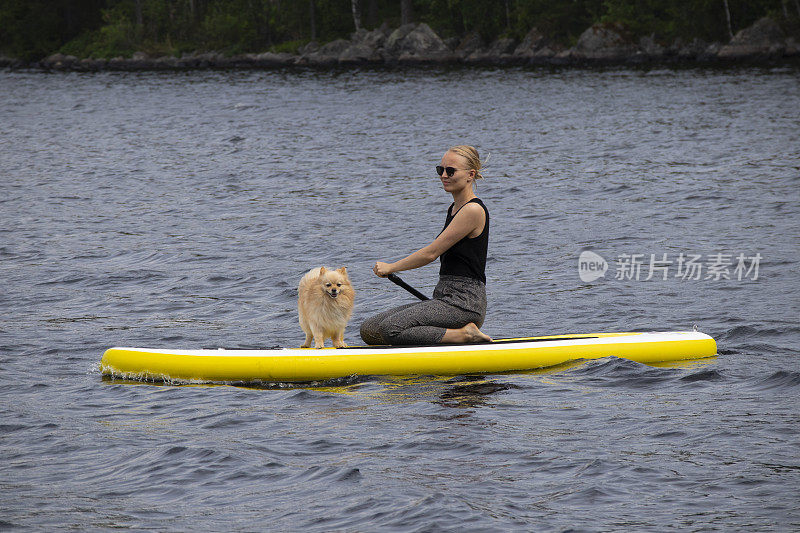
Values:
[(382, 269)]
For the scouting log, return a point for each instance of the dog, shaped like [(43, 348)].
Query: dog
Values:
[(324, 305)]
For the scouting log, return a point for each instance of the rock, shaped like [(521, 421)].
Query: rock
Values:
[(69, 61), (202, 60), (212, 59), (563, 56), (240, 61), (471, 43), (55, 58), (359, 53), (139, 61), (13, 62), (451, 42), (688, 51), (59, 62), (394, 41), (333, 48), (270, 59), (603, 42), (185, 61), (309, 48), (710, 53), (425, 58), (116, 63), (423, 40), (420, 43), (502, 47), (7, 62), (327, 54), (764, 38), (651, 48), (165, 63), (373, 39), (90, 65), (792, 47), (548, 52), (498, 52), (358, 35), (531, 43)]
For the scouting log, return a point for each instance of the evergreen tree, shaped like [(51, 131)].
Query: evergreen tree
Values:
[(32, 29)]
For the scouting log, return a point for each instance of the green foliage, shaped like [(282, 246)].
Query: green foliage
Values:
[(687, 19), (118, 37), (288, 47), (334, 18), (222, 29), (31, 29), (562, 21), (108, 42), (454, 18)]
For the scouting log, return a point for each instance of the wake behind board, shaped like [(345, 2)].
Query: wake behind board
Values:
[(308, 364)]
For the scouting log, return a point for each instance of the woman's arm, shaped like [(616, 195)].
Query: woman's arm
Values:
[(470, 218)]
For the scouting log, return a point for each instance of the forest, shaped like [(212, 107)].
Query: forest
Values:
[(33, 29)]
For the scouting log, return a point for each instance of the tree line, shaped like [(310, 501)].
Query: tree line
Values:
[(32, 29)]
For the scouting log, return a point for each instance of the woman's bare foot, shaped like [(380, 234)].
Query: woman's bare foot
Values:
[(474, 334), (468, 334)]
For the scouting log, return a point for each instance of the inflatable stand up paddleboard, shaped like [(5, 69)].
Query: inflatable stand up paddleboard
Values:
[(308, 364)]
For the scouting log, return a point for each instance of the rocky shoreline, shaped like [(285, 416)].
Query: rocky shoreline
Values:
[(418, 44)]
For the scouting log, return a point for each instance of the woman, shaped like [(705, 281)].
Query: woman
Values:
[(458, 307)]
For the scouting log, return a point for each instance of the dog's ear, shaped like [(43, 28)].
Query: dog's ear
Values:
[(342, 271), (322, 271)]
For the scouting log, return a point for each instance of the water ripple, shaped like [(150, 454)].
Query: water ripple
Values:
[(181, 210)]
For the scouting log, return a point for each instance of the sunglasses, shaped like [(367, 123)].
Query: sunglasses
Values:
[(450, 170)]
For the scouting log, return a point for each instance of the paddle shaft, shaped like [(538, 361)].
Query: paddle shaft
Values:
[(394, 278)]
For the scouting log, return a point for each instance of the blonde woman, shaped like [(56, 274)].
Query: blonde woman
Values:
[(458, 307)]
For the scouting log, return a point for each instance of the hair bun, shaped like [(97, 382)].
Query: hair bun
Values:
[(470, 154)]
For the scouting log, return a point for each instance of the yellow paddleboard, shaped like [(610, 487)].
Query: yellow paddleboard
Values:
[(308, 364)]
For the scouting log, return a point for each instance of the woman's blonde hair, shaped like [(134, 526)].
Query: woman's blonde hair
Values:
[(470, 154)]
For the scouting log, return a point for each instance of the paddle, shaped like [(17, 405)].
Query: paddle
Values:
[(394, 278)]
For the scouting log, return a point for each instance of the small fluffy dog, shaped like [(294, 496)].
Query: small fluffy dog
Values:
[(325, 303)]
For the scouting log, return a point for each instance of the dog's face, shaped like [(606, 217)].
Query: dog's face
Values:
[(333, 282)]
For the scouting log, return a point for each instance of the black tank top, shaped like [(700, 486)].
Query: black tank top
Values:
[(467, 257)]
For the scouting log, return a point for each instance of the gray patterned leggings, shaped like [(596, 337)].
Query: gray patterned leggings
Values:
[(456, 302)]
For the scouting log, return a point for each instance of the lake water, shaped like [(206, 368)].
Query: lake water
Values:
[(181, 210)]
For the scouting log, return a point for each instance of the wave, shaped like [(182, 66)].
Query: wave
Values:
[(782, 379), (703, 375), (616, 372), (748, 332)]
